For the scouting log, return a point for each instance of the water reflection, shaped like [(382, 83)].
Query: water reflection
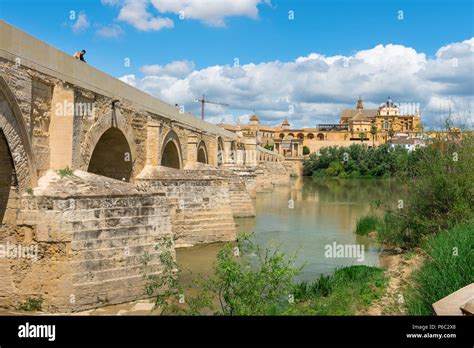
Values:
[(323, 212)]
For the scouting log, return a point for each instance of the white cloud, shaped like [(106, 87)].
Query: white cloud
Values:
[(109, 31), (177, 68), (211, 12), (135, 12), (138, 13), (130, 79), (318, 87), (81, 24)]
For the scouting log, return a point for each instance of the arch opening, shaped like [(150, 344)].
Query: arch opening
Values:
[(220, 151), (8, 185), (202, 153), (112, 156), (170, 156)]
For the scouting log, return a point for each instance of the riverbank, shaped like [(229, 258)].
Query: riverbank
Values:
[(398, 269)]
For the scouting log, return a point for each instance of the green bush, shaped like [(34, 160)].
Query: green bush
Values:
[(268, 147), (248, 280), (31, 304), (367, 224), (449, 267), (65, 172), (359, 161), (440, 194)]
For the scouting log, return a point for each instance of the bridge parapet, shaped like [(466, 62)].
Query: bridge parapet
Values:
[(265, 155)]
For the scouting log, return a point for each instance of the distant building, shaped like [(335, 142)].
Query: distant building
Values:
[(409, 144), (369, 126)]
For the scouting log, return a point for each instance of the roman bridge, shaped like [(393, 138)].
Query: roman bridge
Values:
[(95, 173)]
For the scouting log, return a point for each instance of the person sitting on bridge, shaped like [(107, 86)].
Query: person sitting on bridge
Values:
[(80, 55)]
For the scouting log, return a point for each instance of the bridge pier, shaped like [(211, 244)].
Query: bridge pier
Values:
[(201, 210), (61, 127)]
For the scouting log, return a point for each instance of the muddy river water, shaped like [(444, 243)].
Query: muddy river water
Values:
[(311, 219)]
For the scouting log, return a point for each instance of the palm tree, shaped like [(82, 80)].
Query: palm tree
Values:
[(373, 131), (362, 137)]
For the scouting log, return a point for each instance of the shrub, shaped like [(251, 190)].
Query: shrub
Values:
[(358, 160), (65, 172), (367, 224), (31, 304), (248, 280), (440, 194), (268, 147)]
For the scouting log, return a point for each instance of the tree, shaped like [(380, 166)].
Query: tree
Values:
[(362, 136), (306, 150), (268, 147), (373, 131), (391, 133), (248, 280)]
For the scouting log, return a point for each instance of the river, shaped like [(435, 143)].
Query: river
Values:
[(323, 212)]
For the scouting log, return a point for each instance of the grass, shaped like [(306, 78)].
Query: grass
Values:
[(367, 224), (449, 267), (65, 172), (31, 304), (342, 293)]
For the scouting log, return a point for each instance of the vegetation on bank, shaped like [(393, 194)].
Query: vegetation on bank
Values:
[(367, 224), (435, 217), (439, 195), (359, 161), (345, 292), (249, 280), (449, 266)]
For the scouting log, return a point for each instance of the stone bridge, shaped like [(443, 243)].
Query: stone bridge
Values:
[(95, 173)]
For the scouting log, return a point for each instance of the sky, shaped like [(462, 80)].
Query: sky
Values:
[(304, 60)]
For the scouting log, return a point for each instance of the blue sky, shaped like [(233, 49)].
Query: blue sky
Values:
[(261, 36)]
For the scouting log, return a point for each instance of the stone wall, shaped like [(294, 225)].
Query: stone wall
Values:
[(248, 175), (271, 174), (41, 96), (201, 210), (90, 244), (240, 200)]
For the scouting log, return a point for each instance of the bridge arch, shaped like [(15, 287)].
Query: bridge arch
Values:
[(111, 128), (17, 164), (220, 151), (232, 157), (171, 151), (112, 156), (202, 153)]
